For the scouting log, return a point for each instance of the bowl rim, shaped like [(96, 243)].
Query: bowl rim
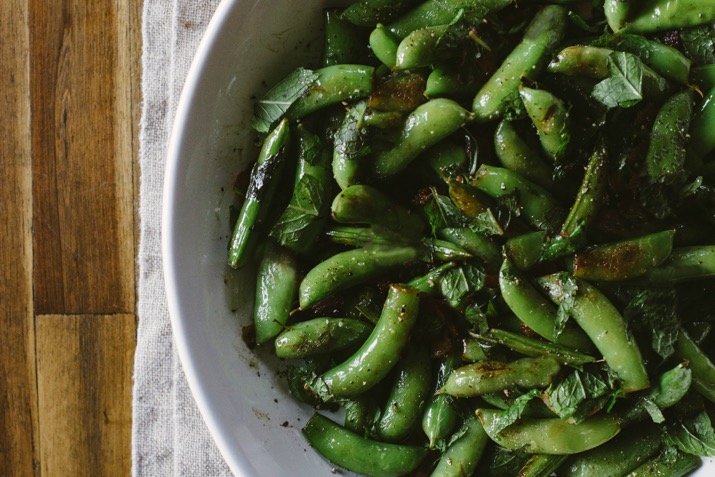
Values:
[(235, 458)]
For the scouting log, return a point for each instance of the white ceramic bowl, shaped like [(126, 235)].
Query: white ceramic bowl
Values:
[(245, 405)]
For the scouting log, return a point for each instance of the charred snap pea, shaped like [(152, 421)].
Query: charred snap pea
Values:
[(359, 454), (425, 126), (264, 180), (334, 84), (703, 369), (368, 13), (440, 416), (468, 199), (463, 454), (348, 150), (380, 352), (518, 156), (665, 463), (533, 347), (551, 118), (669, 139), (320, 335), (541, 465), (420, 48), (602, 322), (276, 290), (625, 259), (347, 269), (659, 15), (500, 92), (684, 264), (582, 60), (492, 376), (384, 45)]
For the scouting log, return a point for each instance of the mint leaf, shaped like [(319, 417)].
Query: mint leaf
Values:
[(580, 393), (655, 312), (514, 412), (442, 213), (459, 283), (302, 220), (280, 97), (699, 43), (694, 436), (569, 288), (486, 223), (624, 87)]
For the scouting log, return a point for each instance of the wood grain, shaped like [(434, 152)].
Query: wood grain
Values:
[(84, 366), (18, 398), (82, 157)]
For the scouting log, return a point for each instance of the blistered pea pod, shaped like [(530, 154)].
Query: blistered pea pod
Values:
[(425, 126), (381, 350), (702, 129), (319, 336), (347, 167), (540, 208), (491, 376), (581, 60), (384, 45), (359, 454), (672, 464), (477, 244), (440, 415), (602, 322), (541, 465), (535, 311), (533, 347), (702, 368), (463, 454), (618, 12), (410, 391), (516, 155), (468, 199), (420, 48), (660, 15), (684, 264), (343, 42), (663, 59), (625, 259), (550, 117), (334, 84), (669, 138), (549, 436), (367, 13), (442, 82), (527, 59), (261, 189), (363, 204)]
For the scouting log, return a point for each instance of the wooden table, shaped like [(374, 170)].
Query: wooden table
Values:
[(70, 100)]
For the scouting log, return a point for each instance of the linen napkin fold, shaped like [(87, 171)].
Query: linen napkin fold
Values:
[(169, 437)]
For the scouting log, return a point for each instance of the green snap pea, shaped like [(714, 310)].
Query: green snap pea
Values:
[(276, 289), (353, 452), (581, 60), (677, 465), (446, 159), (527, 59), (320, 335), (702, 129), (518, 156), (369, 13), (347, 155), (491, 376), (384, 119), (672, 386), (472, 350), (683, 265), (663, 59), (702, 368), (551, 118), (343, 42), (412, 387), (541, 465), (429, 283), (333, 85), (363, 204), (261, 189), (525, 251), (704, 76), (617, 12), (669, 138), (617, 457), (535, 311), (440, 416), (462, 456), (550, 436), (602, 322), (442, 82), (425, 126), (623, 260), (380, 351), (384, 45), (659, 15), (475, 243), (532, 347), (420, 48), (350, 268), (360, 413)]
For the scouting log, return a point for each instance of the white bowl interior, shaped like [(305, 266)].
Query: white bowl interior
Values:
[(256, 424)]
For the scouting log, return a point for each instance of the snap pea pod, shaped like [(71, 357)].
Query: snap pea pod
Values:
[(668, 139), (702, 368), (672, 386), (333, 85), (582, 60), (535, 311), (659, 15), (602, 322), (343, 42), (617, 457), (350, 268), (429, 283), (704, 76), (462, 456), (420, 48), (348, 147), (527, 59), (441, 12), (532, 347), (380, 351), (551, 118), (472, 350), (666, 464), (367, 13), (384, 45), (518, 156), (276, 289), (663, 59), (360, 414), (683, 265), (475, 243), (618, 12), (550, 436), (539, 208), (541, 465), (363, 204), (591, 193), (702, 129), (468, 199), (440, 416), (320, 335), (384, 119), (264, 180), (525, 251), (443, 82), (623, 260), (446, 159), (490, 376), (409, 393), (359, 454), (425, 126)]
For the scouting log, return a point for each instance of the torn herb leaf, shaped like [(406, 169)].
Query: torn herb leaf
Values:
[(305, 214), (280, 98), (624, 87), (699, 43), (655, 312), (569, 289), (442, 213), (460, 282), (580, 393), (694, 436), (514, 412)]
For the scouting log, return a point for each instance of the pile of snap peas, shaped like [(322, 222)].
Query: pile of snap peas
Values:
[(484, 233)]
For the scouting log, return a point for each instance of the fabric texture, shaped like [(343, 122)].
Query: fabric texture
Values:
[(169, 437)]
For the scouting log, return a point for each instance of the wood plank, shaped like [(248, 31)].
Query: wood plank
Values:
[(18, 392), (84, 370), (82, 161)]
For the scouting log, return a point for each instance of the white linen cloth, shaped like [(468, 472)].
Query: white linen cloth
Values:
[(169, 437)]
